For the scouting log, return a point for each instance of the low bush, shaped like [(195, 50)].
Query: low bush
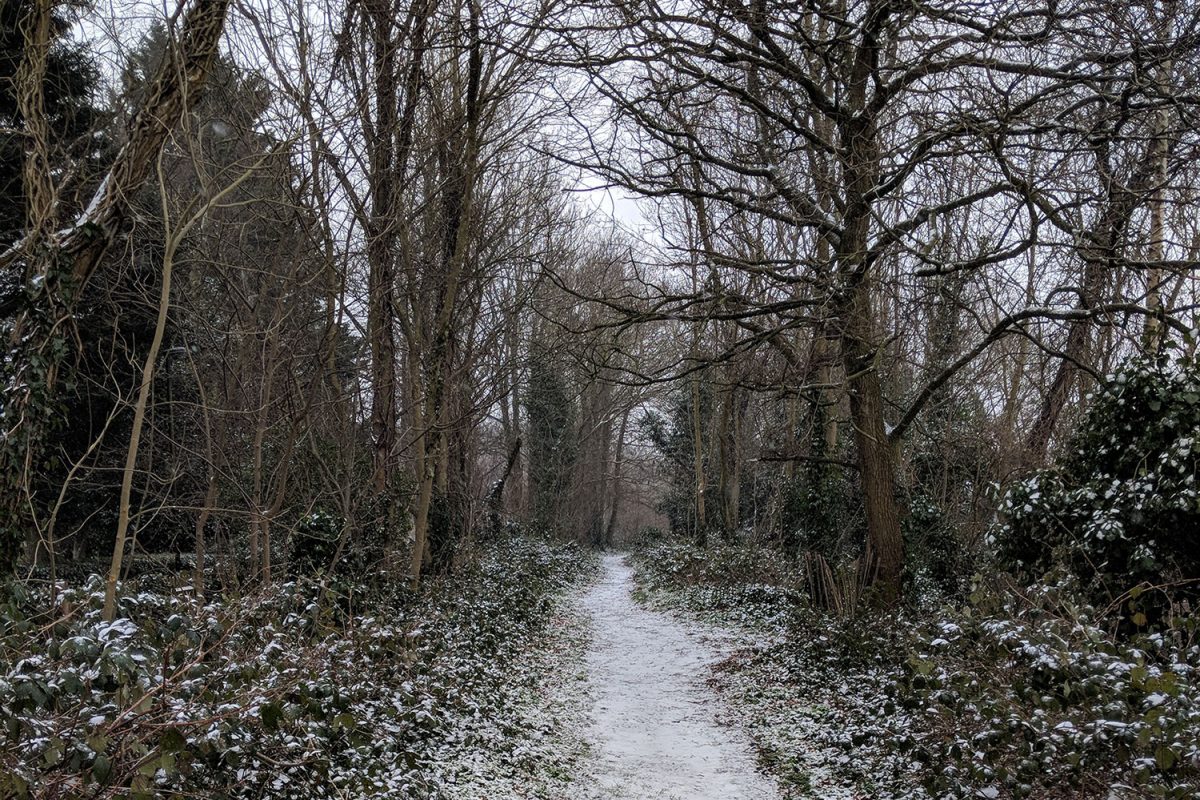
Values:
[(314, 544), (1122, 509), (754, 583), (289, 693), (1035, 698)]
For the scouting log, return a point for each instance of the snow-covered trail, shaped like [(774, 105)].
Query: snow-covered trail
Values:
[(654, 719)]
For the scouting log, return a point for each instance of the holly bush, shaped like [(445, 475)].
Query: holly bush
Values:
[(1119, 510)]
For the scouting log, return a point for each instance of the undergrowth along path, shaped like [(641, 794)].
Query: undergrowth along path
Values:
[(654, 720)]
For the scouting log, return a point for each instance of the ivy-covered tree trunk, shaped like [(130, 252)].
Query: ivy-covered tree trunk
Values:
[(550, 414)]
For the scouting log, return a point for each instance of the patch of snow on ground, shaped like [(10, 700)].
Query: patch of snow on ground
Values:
[(655, 720)]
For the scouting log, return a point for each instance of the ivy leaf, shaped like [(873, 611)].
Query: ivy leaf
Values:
[(271, 715), (172, 741), (1164, 757), (101, 768), (53, 753)]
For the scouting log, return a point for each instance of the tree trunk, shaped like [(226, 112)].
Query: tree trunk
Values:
[(885, 546), (884, 559), (1077, 351), (210, 500), (617, 483), (727, 455), (171, 246), (457, 203), (1100, 255), (701, 532), (381, 289), (603, 435), (1152, 335), (496, 495)]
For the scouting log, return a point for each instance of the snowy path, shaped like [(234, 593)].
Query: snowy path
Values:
[(654, 719)]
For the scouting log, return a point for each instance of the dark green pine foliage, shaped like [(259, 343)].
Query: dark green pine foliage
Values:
[(253, 245), (117, 310)]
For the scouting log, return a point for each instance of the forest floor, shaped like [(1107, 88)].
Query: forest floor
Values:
[(476, 688), (657, 728), (539, 671)]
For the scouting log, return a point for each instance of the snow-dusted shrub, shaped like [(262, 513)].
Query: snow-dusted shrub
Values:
[(1121, 509), (288, 694), (1027, 697), (678, 561), (649, 535), (753, 583), (1037, 699)]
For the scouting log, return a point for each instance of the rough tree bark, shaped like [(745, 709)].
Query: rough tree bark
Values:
[(381, 243), (859, 137)]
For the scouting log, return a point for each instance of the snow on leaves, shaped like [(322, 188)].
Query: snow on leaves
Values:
[(286, 694)]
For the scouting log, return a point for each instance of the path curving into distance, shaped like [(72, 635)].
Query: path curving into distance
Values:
[(654, 724)]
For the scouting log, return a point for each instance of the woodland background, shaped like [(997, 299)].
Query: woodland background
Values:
[(901, 295)]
